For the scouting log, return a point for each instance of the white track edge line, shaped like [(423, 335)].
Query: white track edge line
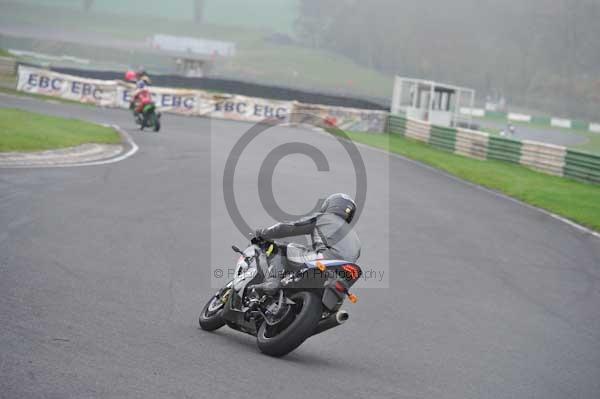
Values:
[(133, 148)]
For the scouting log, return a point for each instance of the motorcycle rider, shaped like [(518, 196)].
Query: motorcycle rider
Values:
[(141, 98), (331, 234)]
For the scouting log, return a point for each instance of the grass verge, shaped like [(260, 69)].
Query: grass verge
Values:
[(6, 54), (577, 201), (22, 131)]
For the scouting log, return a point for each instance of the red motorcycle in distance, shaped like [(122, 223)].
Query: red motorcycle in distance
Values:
[(144, 108)]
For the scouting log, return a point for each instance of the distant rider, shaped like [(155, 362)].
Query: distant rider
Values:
[(331, 234), (141, 98)]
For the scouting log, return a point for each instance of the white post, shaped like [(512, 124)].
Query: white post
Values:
[(431, 94), (396, 96), (456, 110), (416, 93), (472, 106)]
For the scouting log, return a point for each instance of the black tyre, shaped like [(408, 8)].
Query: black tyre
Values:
[(211, 316), (277, 342), (156, 122)]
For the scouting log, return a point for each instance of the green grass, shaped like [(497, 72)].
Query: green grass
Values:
[(4, 53), (577, 201), (22, 131)]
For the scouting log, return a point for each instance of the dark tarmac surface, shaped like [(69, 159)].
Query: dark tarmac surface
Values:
[(103, 271)]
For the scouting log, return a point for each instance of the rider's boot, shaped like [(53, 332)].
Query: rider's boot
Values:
[(270, 286), (272, 283)]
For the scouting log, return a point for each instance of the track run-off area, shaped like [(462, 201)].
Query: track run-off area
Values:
[(104, 269)]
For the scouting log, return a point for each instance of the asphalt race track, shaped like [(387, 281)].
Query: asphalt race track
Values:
[(549, 135), (103, 271)]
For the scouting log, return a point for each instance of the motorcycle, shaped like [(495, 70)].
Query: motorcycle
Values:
[(307, 302), (148, 118)]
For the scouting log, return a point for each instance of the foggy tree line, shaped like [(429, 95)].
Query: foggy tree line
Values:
[(540, 54)]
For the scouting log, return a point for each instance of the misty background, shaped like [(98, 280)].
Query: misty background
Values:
[(542, 56)]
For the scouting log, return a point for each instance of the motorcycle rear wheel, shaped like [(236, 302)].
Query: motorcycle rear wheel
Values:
[(276, 343), (156, 122)]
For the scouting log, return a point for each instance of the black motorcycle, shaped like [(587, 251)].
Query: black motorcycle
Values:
[(307, 303)]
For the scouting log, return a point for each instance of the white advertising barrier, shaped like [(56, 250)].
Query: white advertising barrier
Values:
[(183, 102), (559, 122), (242, 108), (119, 94), (202, 103), (519, 117), (480, 112), (349, 119), (90, 91)]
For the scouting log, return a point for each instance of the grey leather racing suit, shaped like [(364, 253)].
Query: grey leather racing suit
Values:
[(331, 236)]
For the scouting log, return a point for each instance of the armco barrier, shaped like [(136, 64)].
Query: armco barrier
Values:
[(542, 157), (503, 149), (471, 144), (547, 158), (396, 124), (418, 130), (443, 138), (582, 166)]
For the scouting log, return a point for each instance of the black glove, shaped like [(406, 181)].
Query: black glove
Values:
[(255, 237)]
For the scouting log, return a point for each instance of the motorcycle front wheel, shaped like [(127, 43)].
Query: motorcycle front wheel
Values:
[(211, 317), (284, 337)]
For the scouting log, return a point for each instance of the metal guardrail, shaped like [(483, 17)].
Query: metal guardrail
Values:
[(546, 158)]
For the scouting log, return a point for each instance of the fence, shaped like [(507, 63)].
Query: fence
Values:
[(547, 158)]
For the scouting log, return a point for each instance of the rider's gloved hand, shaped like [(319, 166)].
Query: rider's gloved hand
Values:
[(255, 238)]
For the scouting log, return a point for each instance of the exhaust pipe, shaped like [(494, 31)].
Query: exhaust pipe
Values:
[(341, 316), (332, 321)]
